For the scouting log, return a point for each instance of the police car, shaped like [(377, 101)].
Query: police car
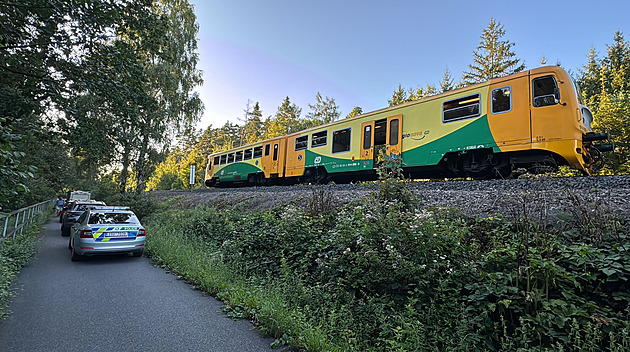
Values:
[(107, 230)]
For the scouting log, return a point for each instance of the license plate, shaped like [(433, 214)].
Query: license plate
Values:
[(116, 234)]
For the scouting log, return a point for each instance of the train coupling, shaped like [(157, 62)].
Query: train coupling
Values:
[(603, 136)]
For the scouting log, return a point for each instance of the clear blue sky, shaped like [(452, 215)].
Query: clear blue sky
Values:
[(357, 52)]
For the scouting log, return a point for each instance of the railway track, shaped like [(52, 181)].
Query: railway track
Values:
[(535, 197)]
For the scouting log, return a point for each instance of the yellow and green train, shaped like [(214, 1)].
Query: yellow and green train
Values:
[(524, 120)]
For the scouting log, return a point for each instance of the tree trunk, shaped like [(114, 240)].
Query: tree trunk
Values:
[(125, 169), (140, 166)]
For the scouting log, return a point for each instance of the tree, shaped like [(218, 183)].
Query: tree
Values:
[(286, 120), (356, 111), (447, 82), (605, 89), (253, 130), (493, 57), (325, 110), (399, 96)]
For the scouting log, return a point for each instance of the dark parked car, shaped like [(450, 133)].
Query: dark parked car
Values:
[(75, 210), (64, 208)]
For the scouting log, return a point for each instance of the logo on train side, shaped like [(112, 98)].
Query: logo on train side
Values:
[(222, 172), (256, 162), (299, 157), (318, 160)]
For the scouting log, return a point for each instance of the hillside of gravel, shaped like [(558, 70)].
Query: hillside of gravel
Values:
[(540, 198)]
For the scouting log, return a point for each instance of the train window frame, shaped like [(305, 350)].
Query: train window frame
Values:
[(367, 137), (247, 154), (223, 159), (230, 158), (493, 104), (238, 156), (258, 152), (301, 142), (267, 149), (393, 132), (556, 98), (319, 139), (216, 160), (346, 146), (276, 149), (469, 100)]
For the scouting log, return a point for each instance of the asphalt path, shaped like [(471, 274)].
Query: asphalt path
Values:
[(114, 303)]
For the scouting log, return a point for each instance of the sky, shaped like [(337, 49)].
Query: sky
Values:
[(358, 51)]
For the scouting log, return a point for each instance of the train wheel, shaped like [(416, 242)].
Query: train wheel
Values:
[(321, 176), (262, 180)]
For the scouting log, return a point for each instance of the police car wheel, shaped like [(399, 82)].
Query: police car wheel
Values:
[(76, 257), (137, 254)]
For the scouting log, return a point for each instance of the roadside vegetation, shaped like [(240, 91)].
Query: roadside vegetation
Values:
[(15, 254), (385, 274)]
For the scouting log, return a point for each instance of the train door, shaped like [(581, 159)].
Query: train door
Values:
[(367, 141), (508, 113), (274, 153), (394, 135), (267, 164), (546, 111)]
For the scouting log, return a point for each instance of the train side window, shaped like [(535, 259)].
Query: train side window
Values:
[(267, 149), (393, 131), (318, 139), (341, 140), (247, 155), (367, 137), (301, 143), (462, 108), (501, 100), (223, 159), (257, 152), (216, 160), (239, 156), (230, 158), (546, 91), (275, 152)]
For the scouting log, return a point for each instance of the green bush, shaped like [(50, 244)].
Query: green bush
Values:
[(381, 274)]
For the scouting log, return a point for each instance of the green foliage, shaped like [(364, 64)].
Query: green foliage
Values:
[(325, 110), (356, 111), (381, 274), (605, 88), (493, 57)]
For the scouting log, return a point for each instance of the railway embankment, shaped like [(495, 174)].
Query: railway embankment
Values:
[(547, 197), (360, 267)]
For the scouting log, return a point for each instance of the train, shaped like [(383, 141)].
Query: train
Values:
[(530, 120)]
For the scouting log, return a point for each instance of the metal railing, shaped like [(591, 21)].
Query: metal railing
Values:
[(15, 221)]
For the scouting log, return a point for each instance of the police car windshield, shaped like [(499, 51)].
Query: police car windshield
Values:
[(113, 218)]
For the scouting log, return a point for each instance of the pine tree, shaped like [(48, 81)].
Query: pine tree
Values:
[(605, 88), (493, 57), (543, 61), (447, 82), (253, 130), (356, 111), (286, 120), (399, 96)]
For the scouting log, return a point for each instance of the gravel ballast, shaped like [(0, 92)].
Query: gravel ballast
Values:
[(533, 197)]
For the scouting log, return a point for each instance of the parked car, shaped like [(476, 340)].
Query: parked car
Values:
[(107, 230), (75, 210), (65, 208)]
